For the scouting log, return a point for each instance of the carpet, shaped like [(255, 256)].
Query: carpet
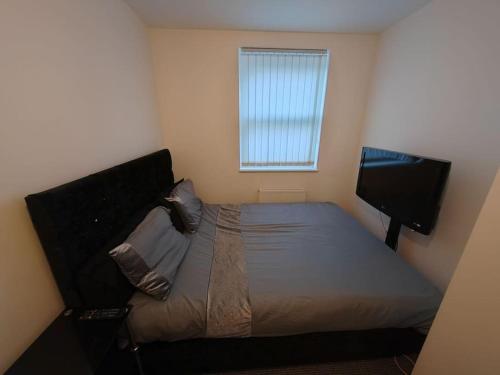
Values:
[(380, 366)]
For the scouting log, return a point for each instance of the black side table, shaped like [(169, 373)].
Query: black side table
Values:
[(78, 347)]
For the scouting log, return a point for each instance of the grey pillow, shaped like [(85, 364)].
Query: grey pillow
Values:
[(188, 204), (152, 253)]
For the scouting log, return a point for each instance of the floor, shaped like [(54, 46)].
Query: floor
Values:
[(381, 366)]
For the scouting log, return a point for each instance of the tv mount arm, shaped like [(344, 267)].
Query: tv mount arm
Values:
[(391, 239)]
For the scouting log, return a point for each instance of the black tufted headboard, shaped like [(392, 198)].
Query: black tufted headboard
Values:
[(76, 220)]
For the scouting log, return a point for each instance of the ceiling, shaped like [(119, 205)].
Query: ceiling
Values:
[(276, 15)]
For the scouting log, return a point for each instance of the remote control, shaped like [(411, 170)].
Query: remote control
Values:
[(99, 314)]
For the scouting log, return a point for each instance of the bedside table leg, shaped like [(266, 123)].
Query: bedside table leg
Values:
[(134, 348)]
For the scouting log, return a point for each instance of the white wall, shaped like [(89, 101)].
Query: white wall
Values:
[(196, 74), (436, 92), (76, 96), (465, 336)]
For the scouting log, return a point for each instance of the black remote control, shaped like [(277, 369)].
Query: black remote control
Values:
[(99, 314)]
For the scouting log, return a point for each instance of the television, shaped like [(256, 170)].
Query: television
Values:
[(408, 188)]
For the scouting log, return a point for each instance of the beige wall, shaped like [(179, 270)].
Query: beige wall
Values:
[(197, 83), (435, 92), (465, 336), (76, 96)]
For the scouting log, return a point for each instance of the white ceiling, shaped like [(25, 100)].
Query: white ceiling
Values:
[(276, 15)]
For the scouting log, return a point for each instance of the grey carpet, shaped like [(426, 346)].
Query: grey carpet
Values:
[(381, 366)]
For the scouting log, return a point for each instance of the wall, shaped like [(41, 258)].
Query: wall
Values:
[(465, 336), (196, 74), (76, 96), (435, 92)]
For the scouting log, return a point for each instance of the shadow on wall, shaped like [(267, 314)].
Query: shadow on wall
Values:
[(421, 240), (25, 279)]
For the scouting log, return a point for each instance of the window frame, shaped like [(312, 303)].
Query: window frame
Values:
[(287, 168)]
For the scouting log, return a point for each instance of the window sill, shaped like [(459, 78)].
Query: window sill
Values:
[(267, 170)]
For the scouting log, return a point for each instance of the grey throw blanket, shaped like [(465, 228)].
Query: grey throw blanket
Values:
[(228, 307)]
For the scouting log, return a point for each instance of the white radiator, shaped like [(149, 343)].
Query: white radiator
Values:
[(279, 195)]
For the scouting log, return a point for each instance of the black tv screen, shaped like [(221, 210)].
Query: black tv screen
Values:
[(405, 187)]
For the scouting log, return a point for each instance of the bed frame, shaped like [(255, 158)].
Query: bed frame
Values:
[(74, 221)]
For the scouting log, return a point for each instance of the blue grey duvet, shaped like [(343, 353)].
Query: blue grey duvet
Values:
[(284, 269)]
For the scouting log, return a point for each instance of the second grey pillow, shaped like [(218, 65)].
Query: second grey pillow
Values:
[(188, 204)]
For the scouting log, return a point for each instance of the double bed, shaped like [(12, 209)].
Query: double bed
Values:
[(309, 267), (251, 270)]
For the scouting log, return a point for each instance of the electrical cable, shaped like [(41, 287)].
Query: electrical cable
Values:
[(382, 221), (399, 367), (409, 359)]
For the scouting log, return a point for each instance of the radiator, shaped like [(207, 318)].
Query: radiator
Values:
[(276, 195)]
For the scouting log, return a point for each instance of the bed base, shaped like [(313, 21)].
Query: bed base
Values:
[(216, 355)]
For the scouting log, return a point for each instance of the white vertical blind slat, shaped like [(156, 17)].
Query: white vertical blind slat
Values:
[(243, 106), (281, 107)]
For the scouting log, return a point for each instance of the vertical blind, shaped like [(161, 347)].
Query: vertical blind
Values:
[(282, 95)]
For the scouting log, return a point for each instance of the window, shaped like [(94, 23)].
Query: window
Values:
[(282, 95)]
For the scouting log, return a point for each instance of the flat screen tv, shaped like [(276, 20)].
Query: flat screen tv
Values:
[(408, 188)]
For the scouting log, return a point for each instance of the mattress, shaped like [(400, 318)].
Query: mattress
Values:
[(304, 267)]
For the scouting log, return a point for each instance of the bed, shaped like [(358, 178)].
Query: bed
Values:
[(309, 267), (251, 270)]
